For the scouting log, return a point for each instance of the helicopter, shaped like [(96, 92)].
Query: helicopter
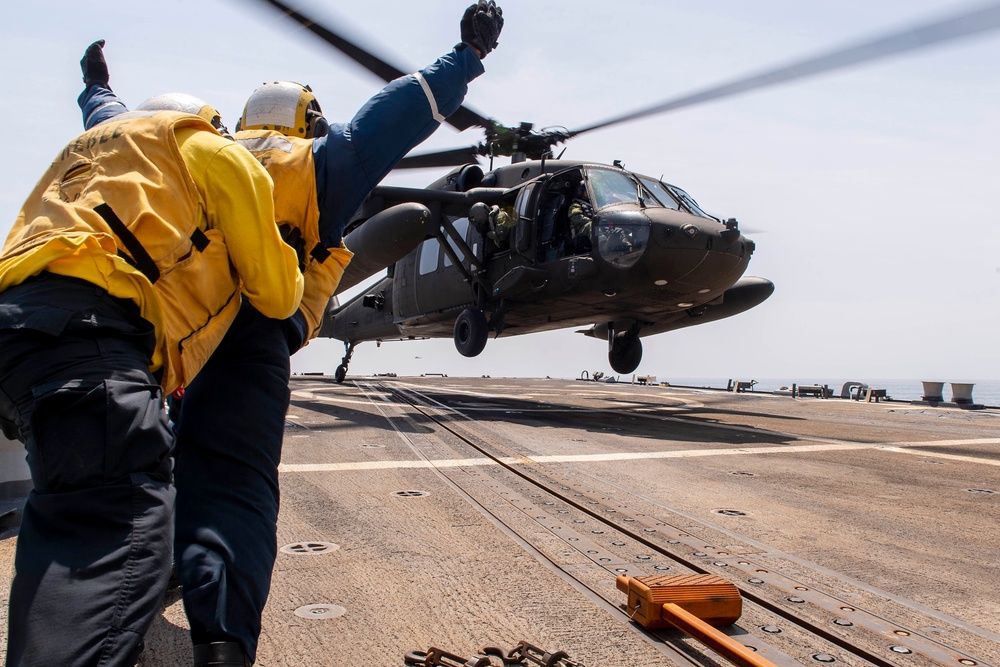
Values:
[(651, 260)]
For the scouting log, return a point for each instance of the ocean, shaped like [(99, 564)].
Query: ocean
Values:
[(985, 392)]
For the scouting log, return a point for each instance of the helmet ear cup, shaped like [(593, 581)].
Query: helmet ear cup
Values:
[(318, 126)]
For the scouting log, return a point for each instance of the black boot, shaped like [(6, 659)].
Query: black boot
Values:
[(220, 654)]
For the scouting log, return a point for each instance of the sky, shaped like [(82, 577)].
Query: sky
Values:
[(871, 193)]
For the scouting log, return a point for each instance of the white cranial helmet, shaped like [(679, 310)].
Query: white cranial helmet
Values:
[(185, 104)]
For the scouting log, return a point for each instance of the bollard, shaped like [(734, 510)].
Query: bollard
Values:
[(933, 392), (961, 393)]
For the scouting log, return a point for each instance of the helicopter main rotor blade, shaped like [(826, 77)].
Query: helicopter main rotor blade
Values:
[(967, 24), (448, 158), (462, 119)]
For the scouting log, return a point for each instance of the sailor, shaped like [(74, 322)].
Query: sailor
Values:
[(580, 214), (231, 420), (122, 272)]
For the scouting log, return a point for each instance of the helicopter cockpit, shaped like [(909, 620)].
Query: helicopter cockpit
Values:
[(594, 207), (621, 233)]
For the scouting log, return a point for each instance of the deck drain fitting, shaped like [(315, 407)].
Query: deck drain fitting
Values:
[(795, 600), (411, 494), (320, 611), (823, 657), (309, 548), (842, 622), (896, 648), (730, 512), (771, 629)]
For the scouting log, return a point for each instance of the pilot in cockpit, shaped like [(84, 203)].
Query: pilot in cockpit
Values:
[(580, 214)]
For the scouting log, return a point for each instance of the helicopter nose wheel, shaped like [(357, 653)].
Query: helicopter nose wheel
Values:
[(625, 351), (471, 332)]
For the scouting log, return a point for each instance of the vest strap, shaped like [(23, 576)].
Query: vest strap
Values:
[(199, 240), (140, 258), (319, 253)]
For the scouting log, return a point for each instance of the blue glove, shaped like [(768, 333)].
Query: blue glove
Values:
[(481, 26)]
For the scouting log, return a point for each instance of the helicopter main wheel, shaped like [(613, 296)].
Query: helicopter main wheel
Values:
[(471, 332), (340, 374), (625, 354)]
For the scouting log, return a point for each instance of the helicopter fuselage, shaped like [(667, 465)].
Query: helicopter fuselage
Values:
[(544, 245)]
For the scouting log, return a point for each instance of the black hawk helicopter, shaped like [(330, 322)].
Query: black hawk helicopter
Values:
[(544, 243)]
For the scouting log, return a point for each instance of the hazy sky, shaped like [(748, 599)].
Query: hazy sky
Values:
[(872, 193)]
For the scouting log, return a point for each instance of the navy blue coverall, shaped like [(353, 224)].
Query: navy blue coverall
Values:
[(231, 422), (76, 388)]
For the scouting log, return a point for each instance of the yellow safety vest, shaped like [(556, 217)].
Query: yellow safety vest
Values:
[(119, 209), (289, 162)]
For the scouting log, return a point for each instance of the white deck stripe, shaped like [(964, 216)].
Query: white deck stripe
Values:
[(940, 455), (677, 454)]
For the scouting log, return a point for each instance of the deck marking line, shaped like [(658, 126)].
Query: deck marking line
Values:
[(939, 455), (634, 456)]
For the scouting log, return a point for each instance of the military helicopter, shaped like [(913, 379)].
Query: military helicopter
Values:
[(504, 251)]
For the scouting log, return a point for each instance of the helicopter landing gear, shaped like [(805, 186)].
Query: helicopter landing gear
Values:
[(471, 332), (341, 373), (625, 350)]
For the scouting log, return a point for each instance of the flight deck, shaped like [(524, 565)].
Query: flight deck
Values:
[(462, 513)]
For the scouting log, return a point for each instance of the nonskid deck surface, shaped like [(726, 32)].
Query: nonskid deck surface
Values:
[(459, 513)]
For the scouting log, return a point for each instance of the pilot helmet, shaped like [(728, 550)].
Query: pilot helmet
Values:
[(286, 107), (185, 104)]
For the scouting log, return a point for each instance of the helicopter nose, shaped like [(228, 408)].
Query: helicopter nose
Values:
[(698, 253), (730, 236)]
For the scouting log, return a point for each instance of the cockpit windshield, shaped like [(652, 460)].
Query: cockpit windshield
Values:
[(660, 192), (689, 202), (612, 187)]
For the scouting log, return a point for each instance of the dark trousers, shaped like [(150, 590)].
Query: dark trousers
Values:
[(93, 552), (229, 432)]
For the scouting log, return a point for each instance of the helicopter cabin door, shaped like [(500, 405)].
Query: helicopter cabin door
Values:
[(552, 221), (434, 282)]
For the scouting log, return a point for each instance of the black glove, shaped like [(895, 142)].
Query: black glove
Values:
[(292, 236), (481, 26), (95, 69)]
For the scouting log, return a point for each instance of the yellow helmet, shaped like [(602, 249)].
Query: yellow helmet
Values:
[(286, 107), (186, 104)]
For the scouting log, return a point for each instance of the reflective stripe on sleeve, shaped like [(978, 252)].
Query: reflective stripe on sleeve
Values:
[(430, 97)]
